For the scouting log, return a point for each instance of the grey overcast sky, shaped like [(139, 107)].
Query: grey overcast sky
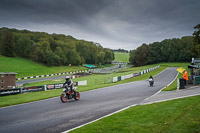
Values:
[(114, 24)]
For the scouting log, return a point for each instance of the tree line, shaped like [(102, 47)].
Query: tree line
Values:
[(120, 50), (52, 49), (168, 50)]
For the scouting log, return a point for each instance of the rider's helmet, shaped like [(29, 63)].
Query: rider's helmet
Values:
[(67, 77)]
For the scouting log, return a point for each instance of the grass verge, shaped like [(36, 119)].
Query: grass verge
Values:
[(175, 116), (28, 97)]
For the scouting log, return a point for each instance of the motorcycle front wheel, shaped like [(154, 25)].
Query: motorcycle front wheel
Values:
[(63, 98), (77, 96)]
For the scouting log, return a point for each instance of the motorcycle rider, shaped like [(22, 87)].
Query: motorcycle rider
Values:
[(69, 82), (151, 79)]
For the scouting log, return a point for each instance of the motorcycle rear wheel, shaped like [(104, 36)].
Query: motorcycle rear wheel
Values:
[(63, 98), (151, 84), (77, 97)]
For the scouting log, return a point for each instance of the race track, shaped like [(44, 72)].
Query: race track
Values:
[(52, 115)]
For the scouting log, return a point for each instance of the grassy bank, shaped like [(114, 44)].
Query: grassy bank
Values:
[(25, 68), (176, 116), (121, 57)]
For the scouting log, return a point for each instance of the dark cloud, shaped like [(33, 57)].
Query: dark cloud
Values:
[(113, 23), (50, 11)]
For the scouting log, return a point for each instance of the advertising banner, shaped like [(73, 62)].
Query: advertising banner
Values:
[(108, 80), (128, 76), (136, 74), (119, 78), (9, 92), (32, 89), (114, 79), (75, 83), (49, 87), (58, 86), (82, 82)]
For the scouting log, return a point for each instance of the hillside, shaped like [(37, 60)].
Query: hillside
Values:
[(121, 56), (24, 67)]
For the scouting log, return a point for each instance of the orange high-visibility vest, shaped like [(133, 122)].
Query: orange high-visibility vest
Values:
[(185, 75)]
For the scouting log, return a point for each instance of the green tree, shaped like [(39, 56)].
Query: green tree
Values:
[(24, 46), (60, 58), (108, 56), (196, 41), (132, 57), (185, 53), (45, 52), (35, 53), (7, 43), (154, 53), (140, 55)]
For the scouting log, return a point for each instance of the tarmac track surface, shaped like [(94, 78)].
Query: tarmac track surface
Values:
[(52, 115)]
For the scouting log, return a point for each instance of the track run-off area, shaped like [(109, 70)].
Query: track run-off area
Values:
[(52, 115)]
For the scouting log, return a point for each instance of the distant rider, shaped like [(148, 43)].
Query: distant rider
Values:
[(150, 78), (69, 82)]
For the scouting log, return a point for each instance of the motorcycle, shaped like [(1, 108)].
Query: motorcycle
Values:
[(151, 82), (69, 94)]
